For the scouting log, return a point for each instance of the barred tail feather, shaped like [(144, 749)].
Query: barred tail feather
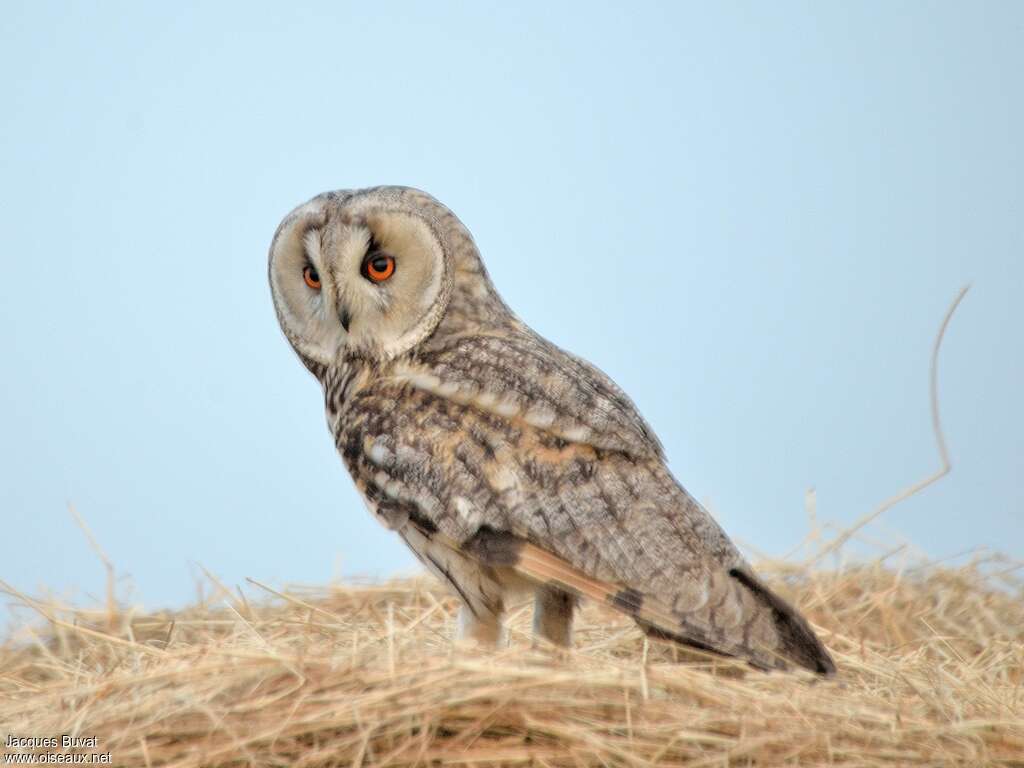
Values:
[(769, 635)]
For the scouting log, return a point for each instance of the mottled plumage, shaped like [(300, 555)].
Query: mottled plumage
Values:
[(504, 462)]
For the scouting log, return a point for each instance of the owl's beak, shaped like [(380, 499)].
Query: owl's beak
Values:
[(345, 317)]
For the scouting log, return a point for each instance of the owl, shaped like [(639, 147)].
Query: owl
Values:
[(505, 463)]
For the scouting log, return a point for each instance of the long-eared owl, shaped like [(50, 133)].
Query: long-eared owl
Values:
[(504, 462)]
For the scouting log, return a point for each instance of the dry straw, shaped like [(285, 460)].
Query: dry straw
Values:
[(931, 664), (931, 661)]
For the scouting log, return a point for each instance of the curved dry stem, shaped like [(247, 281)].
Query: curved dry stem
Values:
[(940, 442)]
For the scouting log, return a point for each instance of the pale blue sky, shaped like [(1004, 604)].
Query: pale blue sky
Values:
[(761, 212)]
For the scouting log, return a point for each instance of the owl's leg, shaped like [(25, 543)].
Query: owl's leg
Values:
[(483, 599), (552, 615), (483, 627)]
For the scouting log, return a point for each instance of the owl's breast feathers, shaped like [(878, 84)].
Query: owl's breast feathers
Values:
[(522, 457)]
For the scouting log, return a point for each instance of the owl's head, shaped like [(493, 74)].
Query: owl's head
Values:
[(369, 271)]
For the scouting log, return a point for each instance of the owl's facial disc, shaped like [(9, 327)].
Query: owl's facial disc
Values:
[(351, 273)]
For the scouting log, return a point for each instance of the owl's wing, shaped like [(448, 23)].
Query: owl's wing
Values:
[(753, 623), (521, 376), (606, 524)]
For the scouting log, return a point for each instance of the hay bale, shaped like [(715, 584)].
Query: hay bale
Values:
[(930, 663)]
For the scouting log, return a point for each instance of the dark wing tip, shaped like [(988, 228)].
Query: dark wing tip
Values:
[(797, 641)]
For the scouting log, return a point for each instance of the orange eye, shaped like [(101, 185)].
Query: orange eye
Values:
[(378, 267), (311, 277)]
